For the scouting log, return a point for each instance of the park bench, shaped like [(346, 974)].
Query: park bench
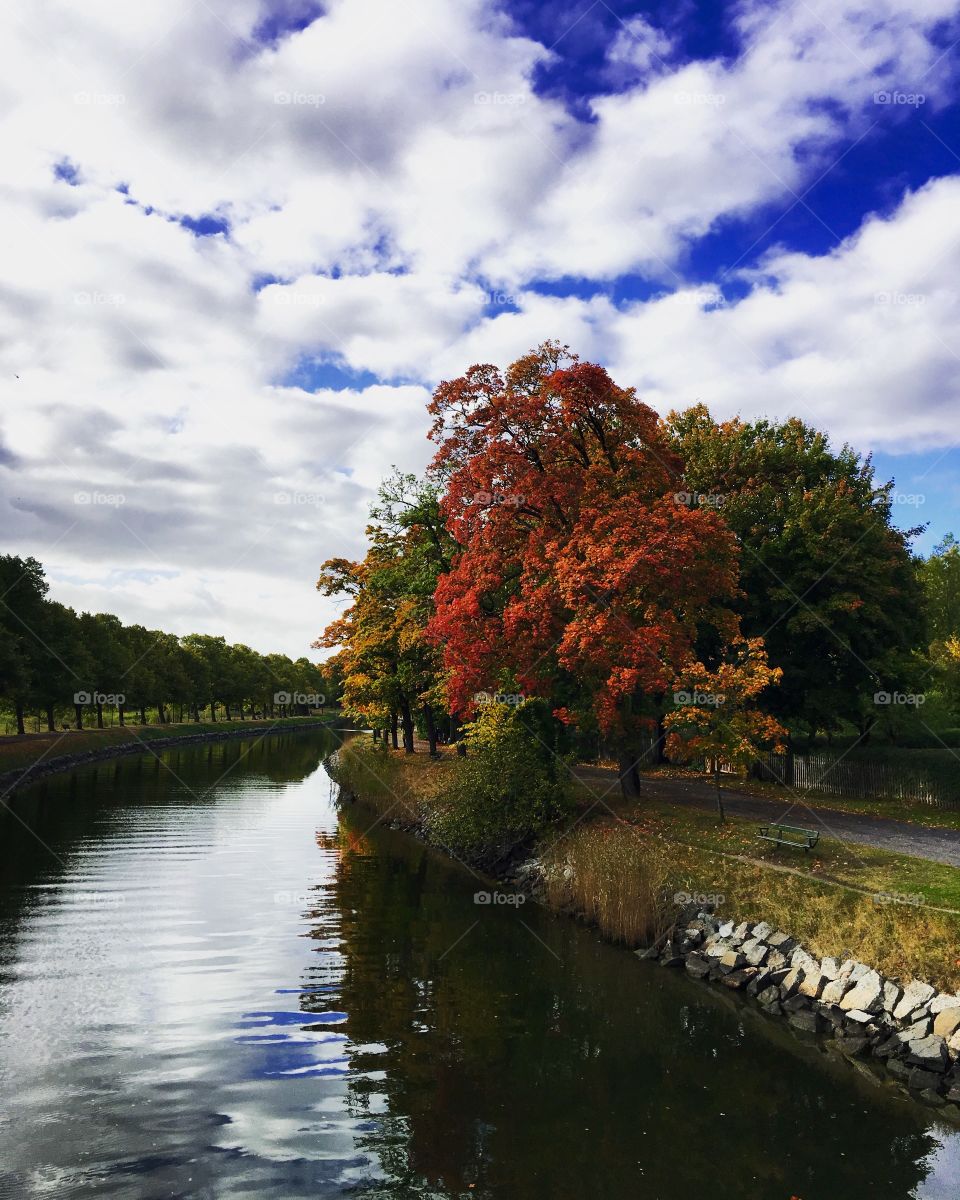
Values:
[(790, 835)]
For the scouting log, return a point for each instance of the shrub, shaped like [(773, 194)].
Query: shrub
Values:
[(510, 786)]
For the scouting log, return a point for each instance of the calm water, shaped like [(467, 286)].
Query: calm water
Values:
[(210, 987)]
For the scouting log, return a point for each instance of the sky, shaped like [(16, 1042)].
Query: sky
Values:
[(243, 241)]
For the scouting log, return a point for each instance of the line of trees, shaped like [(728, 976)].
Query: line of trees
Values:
[(569, 544), (64, 665)]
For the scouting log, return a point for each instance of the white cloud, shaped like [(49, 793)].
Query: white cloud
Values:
[(387, 166)]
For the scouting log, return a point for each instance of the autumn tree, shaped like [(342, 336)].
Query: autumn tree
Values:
[(390, 668), (580, 577), (718, 717)]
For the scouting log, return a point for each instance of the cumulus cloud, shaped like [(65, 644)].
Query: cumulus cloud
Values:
[(373, 176)]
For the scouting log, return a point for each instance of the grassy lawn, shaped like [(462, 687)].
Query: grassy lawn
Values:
[(18, 752)]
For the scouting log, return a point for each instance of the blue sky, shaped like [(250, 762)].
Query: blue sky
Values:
[(250, 239)]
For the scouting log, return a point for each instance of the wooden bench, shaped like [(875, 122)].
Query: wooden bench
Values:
[(790, 835)]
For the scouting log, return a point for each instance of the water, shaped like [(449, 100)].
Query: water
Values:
[(211, 987)]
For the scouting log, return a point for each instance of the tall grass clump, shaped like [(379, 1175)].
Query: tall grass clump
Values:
[(615, 878)]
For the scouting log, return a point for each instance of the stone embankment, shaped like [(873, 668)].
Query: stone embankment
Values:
[(911, 1032)]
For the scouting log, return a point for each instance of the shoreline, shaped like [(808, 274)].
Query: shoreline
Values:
[(20, 777), (903, 1037)]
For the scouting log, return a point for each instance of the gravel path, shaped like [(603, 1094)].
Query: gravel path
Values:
[(899, 837)]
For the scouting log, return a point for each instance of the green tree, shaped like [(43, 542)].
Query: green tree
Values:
[(826, 580)]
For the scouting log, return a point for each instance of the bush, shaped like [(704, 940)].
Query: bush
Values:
[(509, 788)]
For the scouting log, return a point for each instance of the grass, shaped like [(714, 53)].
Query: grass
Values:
[(19, 752)]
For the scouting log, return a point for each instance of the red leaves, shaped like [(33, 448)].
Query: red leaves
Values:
[(592, 570)]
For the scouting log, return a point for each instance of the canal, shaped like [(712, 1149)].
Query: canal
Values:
[(214, 984)]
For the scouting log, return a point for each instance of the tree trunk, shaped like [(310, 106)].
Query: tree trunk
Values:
[(79, 711), (196, 712), (394, 739), (716, 784), (120, 713), (406, 720), (99, 715), (143, 714), (18, 709), (431, 730), (213, 711), (629, 775), (376, 734), (659, 757), (50, 721)]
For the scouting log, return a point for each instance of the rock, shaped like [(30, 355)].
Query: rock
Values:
[(919, 1029), (929, 1096), (806, 1022), (781, 941), (898, 1068), (954, 1043), (778, 975), (835, 990), (742, 931), (919, 1080), (737, 979), (754, 951), (853, 1046), (774, 1008), (944, 1001), (796, 1003), (769, 995), (829, 968), (726, 929), (732, 961), (890, 1047), (915, 994), (776, 961), (673, 960), (762, 931), (812, 984), (791, 982), (867, 995), (946, 1022), (857, 1016), (716, 949), (834, 1014), (953, 1094), (652, 952), (697, 965), (929, 1052), (892, 993)]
